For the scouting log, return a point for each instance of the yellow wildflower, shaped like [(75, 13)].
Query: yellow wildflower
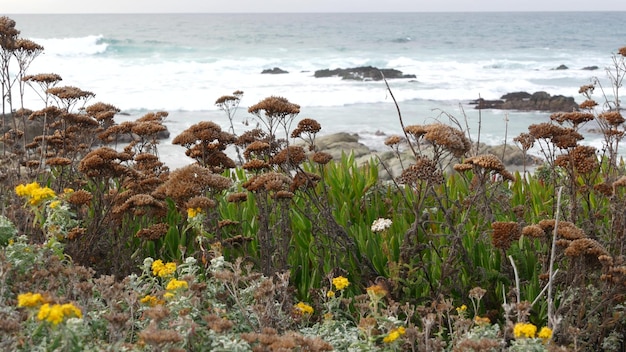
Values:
[(304, 308), (161, 270), (149, 300), (174, 285), (482, 320), (193, 212), (328, 316), (461, 309), (376, 292), (168, 295), (545, 333), (341, 282), (56, 313), (524, 330), (34, 193), (68, 190), (330, 294), (394, 334), (54, 204), (29, 299)]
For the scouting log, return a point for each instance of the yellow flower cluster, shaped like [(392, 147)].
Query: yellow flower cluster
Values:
[(174, 285), (34, 193), (193, 212), (304, 308), (29, 299), (150, 300), (394, 334), (524, 330), (481, 320), (545, 333), (161, 270), (341, 282), (461, 309), (57, 312)]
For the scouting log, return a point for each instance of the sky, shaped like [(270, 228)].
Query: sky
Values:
[(273, 6)]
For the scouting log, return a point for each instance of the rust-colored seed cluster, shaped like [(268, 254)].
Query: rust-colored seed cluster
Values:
[(322, 158), (487, 162), (585, 246), (613, 118), (201, 202), (306, 126), (154, 232), (604, 189), (237, 197), (271, 182), (588, 104), (582, 158), (526, 140), (393, 140), (80, 197), (587, 89), (622, 51), (562, 137), (304, 180), (103, 162), (424, 169), (141, 204), (191, 180), (575, 117), (275, 107), (293, 155), (504, 233), (442, 135), (533, 231)]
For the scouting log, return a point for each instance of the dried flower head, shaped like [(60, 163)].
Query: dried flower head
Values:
[(80, 197), (526, 140), (293, 155), (504, 233), (486, 161), (308, 126), (237, 197), (153, 232), (533, 231), (613, 118), (424, 169), (322, 158), (622, 51), (393, 140), (304, 180), (585, 246)]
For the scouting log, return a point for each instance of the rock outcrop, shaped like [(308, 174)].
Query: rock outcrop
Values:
[(274, 71), (338, 143), (364, 73), (538, 101)]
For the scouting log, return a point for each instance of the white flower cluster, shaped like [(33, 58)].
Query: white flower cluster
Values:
[(381, 224)]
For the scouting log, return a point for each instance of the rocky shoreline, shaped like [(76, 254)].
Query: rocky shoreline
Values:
[(337, 143)]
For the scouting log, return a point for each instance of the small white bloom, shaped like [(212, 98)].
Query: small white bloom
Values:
[(381, 224)]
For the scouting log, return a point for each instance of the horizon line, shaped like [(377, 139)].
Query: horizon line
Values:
[(307, 12)]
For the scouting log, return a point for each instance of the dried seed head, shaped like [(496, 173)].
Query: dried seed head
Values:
[(308, 126), (154, 232), (393, 140), (533, 231), (322, 158), (504, 233)]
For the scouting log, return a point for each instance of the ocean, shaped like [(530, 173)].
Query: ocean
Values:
[(181, 63)]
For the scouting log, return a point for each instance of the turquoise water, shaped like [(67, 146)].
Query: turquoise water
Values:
[(183, 63)]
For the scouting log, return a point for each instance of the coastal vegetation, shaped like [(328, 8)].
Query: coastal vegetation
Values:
[(103, 247)]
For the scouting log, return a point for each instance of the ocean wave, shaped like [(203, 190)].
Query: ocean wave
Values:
[(74, 46)]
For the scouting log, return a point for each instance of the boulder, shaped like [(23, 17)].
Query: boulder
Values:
[(538, 101), (590, 68), (364, 73), (274, 71), (562, 67), (342, 142)]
